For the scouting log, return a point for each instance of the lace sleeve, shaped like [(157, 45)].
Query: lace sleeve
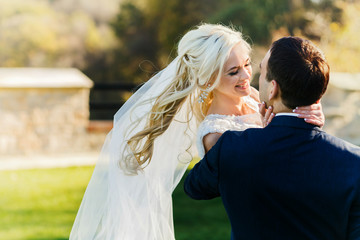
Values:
[(207, 126), (215, 123)]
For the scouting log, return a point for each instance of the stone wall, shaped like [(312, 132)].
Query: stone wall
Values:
[(341, 105), (43, 111), (47, 111)]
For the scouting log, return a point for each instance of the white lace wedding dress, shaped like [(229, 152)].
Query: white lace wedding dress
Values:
[(216, 123)]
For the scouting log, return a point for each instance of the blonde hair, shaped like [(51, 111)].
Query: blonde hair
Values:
[(203, 52)]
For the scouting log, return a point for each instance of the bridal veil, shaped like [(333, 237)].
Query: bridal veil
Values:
[(137, 207)]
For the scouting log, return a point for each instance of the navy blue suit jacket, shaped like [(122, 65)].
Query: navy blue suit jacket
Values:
[(289, 180)]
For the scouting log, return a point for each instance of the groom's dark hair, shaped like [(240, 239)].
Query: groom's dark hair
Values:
[(300, 69)]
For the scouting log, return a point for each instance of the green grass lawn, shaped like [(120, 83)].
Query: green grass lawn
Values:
[(42, 204)]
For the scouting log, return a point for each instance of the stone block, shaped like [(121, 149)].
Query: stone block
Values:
[(341, 105), (43, 110)]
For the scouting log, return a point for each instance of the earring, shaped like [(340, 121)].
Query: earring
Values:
[(204, 94)]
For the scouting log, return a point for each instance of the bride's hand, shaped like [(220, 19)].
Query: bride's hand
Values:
[(312, 114), (267, 114)]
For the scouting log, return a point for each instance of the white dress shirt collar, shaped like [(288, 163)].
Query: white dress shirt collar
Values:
[(287, 114)]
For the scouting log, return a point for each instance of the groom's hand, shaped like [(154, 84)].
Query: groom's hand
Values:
[(266, 113)]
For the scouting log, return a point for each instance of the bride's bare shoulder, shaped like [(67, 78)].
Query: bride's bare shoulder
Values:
[(210, 140), (255, 94)]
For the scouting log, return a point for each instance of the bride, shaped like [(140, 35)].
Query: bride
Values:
[(203, 92)]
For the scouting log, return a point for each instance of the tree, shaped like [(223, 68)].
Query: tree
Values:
[(33, 34), (137, 42), (149, 31), (260, 18), (340, 42)]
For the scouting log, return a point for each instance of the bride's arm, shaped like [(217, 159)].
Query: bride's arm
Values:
[(210, 139), (312, 114)]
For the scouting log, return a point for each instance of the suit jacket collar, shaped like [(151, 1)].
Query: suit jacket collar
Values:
[(290, 121)]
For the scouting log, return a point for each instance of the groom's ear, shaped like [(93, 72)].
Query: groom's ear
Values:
[(274, 90)]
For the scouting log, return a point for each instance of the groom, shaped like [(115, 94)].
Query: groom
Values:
[(289, 180)]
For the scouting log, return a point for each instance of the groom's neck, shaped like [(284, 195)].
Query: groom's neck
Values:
[(279, 107)]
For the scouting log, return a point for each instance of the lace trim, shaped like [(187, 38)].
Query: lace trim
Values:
[(216, 123)]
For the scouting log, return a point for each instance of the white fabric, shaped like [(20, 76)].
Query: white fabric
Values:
[(287, 114), (118, 206), (216, 123)]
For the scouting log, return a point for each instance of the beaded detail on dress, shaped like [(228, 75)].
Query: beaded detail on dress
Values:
[(216, 123)]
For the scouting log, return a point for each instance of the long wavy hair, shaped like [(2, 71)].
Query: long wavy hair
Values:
[(203, 52)]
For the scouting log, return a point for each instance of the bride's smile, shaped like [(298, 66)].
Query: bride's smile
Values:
[(235, 82), (243, 86)]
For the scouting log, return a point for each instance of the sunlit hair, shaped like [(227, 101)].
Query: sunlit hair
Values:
[(203, 52)]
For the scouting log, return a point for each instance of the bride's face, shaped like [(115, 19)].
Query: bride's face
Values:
[(235, 81)]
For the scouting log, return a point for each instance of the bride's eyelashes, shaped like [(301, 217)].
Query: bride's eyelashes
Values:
[(237, 71), (248, 64), (234, 73)]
